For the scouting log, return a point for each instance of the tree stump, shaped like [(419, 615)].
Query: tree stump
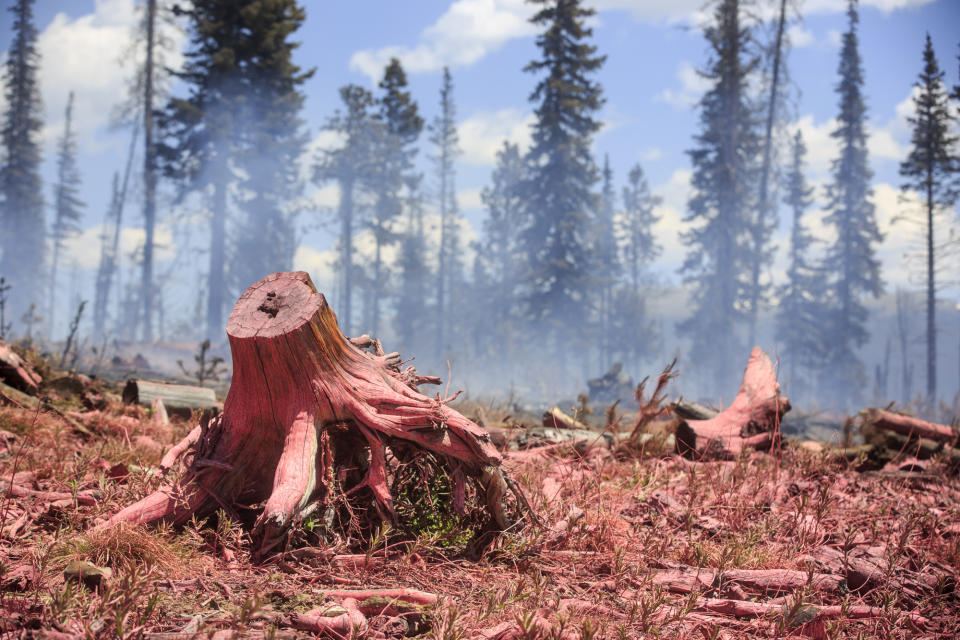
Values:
[(750, 421), (311, 414)]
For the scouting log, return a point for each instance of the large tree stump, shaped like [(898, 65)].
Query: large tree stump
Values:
[(750, 421), (308, 412)]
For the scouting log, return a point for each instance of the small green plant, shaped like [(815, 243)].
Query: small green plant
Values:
[(208, 368)]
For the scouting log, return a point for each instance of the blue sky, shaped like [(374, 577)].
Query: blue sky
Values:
[(649, 80)]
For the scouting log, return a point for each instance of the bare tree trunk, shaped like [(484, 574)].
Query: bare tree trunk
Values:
[(149, 179), (442, 261), (216, 277), (764, 205), (931, 298), (108, 255), (346, 258)]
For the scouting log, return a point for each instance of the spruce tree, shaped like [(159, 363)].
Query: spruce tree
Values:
[(631, 325), (929, 170), (607, 259), (851, 262), (402, 126), (237, 132), (22, 217), (411, 317), (272, 141), (557, 191), (352, 167), (197, 134), (640, 247), (499, 259), (68, 209), (720, 211), (444, 138), (799, 316)]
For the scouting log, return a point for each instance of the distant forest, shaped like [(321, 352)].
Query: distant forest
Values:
[(560, 287)]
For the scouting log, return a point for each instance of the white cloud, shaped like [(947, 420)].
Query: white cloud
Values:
[(888, 142), (799, 37), (83, 249), (836, 6), (692, 11), (465, 33), (692, 87), (95, 75), (469, 199), (319, 264), (482, 134), (651, 154), (326, 197)]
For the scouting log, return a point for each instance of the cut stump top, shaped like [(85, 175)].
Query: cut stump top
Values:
[(279, 304)]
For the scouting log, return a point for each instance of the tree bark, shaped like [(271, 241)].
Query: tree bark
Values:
[(752, 419), (307, 406)]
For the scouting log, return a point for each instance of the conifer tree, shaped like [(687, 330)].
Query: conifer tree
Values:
[(402, 126), (272, 139), (851, 262), (640, 246), (929, 170), (631, 325), (68, 209), (499, 261), (197, 133), (239, 117), (22, 216), (557, 191), (720, 211), (799, 318), (607, 259), (352, 167), (444, 138), (411, 318)]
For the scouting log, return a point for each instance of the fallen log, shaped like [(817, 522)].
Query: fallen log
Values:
[(17, 372), (556, 418), (308, 420), (689, 410), (907, 425), (176, 398), (684, 579), (17, 491), (750, 421), (748, 609)]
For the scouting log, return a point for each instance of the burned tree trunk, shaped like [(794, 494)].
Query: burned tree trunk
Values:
[(751, 420), (311, 416)]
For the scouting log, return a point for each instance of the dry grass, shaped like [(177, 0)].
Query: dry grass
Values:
[(616, 526)]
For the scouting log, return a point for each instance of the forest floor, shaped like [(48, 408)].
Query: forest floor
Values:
[(641, 544)]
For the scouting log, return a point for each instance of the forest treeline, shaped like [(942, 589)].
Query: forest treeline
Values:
[(560, 278)]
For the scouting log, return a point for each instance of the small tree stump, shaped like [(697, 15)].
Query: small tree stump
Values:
[(750, 421), (308, 413)]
